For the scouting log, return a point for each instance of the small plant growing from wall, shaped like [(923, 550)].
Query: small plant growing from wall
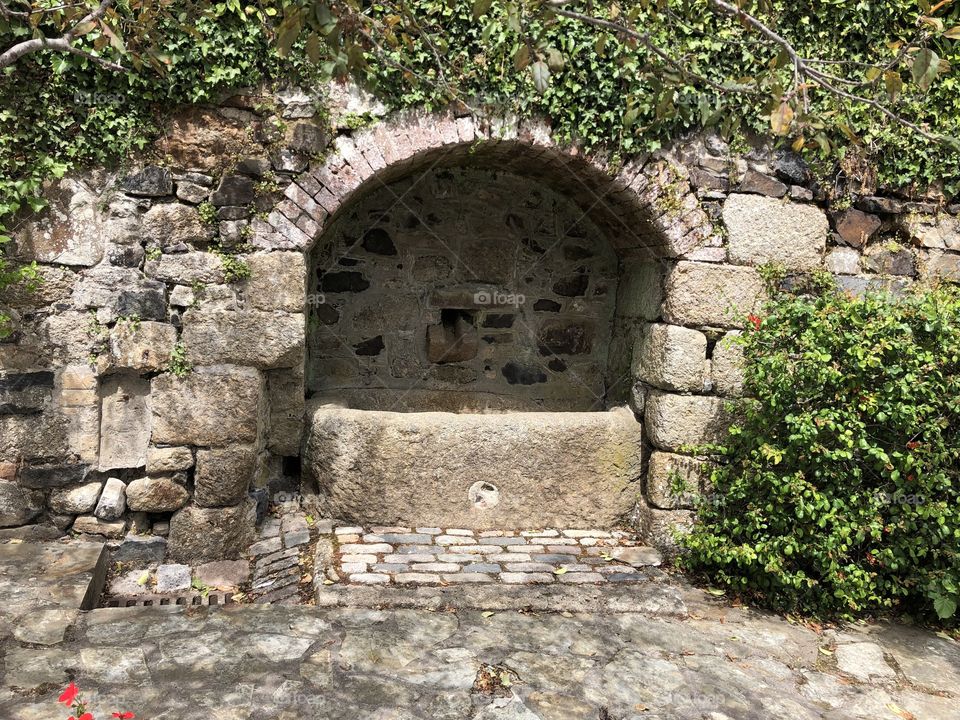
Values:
[(179, 364)]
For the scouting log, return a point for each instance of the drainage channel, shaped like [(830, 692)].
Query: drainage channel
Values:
[(191, 599)]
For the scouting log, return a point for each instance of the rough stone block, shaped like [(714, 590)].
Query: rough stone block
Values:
[(18, 505), (211, 407), (172, 223), (144, 346), (69, 231), (186, 268), (640, 292), (843, 261), (674, 422), (945, 266), (200, 535), (666, 470), (125, 422), (156, 494), (90, 525), (168, 459), (76, 500), (113, 500), (285, 393), (118, 291), (671, 357), (765, 230), (707, 294), (173, 578), (277, 281), (545, 469), (223, 475), (255, 338), (727, 366)]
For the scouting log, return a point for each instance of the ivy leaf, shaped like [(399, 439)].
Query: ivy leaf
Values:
[(781, 119), (480, 8), (925, 67), (541, 76), (522, 57), (893, 83), (945, 606), (554, 60)]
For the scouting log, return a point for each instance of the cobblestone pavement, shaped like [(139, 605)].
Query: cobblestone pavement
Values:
[(435, 556), (280, 663)]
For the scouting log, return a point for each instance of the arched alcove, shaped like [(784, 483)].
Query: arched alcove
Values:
[(472, 297)]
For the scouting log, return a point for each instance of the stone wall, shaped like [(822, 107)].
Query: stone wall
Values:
[(461, 289), (152, 385)]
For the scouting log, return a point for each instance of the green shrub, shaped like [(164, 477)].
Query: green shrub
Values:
[(840, 493)]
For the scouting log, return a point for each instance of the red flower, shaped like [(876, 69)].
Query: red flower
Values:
[(124, 715), (755, 320), (69, 695), (913, 445), (85, 716)]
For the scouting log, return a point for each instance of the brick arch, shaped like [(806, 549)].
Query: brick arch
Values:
[(646, 206)]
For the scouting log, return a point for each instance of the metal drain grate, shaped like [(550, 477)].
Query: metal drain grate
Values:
[(193, 599)]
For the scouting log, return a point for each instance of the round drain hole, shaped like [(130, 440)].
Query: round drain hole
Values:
[(484, 495)]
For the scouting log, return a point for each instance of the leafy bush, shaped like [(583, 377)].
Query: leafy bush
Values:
[(841, 487)]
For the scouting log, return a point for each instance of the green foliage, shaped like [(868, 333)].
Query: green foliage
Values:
[(207, 212), (604, 89), (234, 268), (179, 364), (841, 487)]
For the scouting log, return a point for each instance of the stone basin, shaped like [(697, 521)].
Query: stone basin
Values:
[(479, 471)]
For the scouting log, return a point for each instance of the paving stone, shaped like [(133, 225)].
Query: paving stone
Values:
[(362, 549), (399, 538), (173, 578), (460, 531), (348, 530), (223, 574), (563, 549), (528, 567), (455, 557), (265, 547), (503, 541), (435, 567), (508, 557), (419, 549), (365, 558), (539, 533), (380, 529), (370, 578), (293, 539), (520, 578), (526, 548), (481, 568), (413, 577), (469, 578), (864, 661), (354, 567), (390, 567), (581, 577), (429, 531), (410, 557), (455, 540)]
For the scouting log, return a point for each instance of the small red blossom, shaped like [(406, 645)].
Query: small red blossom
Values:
[(69, 695), (755, 320), (85, 716), (913, 445), (124, 715)]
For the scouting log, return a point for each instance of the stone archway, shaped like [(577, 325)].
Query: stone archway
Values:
[(590, 467)]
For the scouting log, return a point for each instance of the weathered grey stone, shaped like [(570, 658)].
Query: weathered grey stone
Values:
[(276, 282), (156, 494), (18, 505), (943, 265), (671, 357), (90, 525), (52, 476), (224, 574), (76, 500), (253, 338), (763, 230), (755, 182), (223, 475), (173, 578), (640, 292), (204, 534), (116, 291), (675, 422), (173, 223), (843, 261), (151, 181), (144, 346), (192, 192), (233, 190), (113, 500), (369, 467), (125, 422), (726, 366), (940, 232), (141, 550), (186, 268), (666, 471), (182, 296), (285, 393), (890, 259), (864, 661), (168, 459), (69, 231), (706, 294), (212, 407), (660, 528)]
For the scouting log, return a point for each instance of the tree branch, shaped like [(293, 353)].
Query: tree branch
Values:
[(62, 44)]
